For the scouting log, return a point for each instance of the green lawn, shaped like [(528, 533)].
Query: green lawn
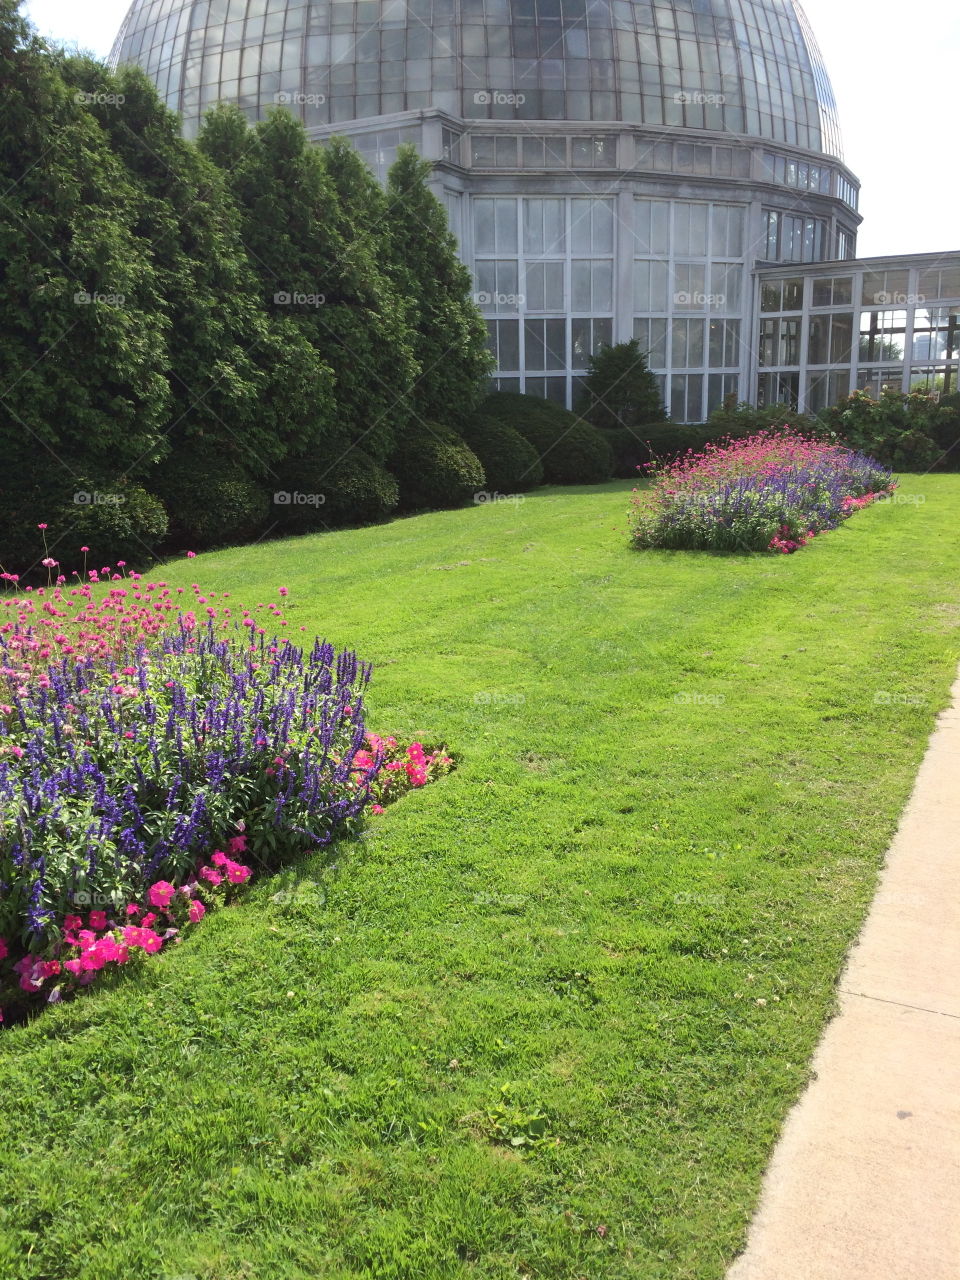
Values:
[(618, 924)]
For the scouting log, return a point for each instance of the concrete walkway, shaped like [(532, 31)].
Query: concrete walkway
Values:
[(865, 1181)]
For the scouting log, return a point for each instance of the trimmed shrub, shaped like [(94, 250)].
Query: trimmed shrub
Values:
[(117, 520), (897, 429), (125, 523), (619, 390), (314, 493), (510, 461), (571, 450), (740, 420), (210, 501), (435, 468), (946, 434)]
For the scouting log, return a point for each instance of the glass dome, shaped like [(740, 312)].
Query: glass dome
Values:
[(750, 68)]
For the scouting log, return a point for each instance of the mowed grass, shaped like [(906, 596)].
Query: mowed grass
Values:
[(546, 1019)]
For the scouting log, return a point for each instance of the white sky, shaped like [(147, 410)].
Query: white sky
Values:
[(894, 69)]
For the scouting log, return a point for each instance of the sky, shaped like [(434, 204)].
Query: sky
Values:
[(894, 69)]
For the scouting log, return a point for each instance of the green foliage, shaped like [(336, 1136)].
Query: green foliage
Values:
[(619, 391), (510, 462), (82, 338), (128, 523), (743, 419), (570, 450), (435, 468), (211, 500), (449, 334), (900, 430), (317, 269), (656, 442), (325, 492)]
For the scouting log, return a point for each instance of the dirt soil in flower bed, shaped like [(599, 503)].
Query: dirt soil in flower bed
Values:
[(546, 1019)]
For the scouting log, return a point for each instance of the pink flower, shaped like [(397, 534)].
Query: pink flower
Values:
[(4, 949), (377, 808), (211, 876), (41, 526), (159, 894), (98, 919), (219, 859), (73, 966), (196, 912), (238, 844), (148, 920), (284, 591), (191, 555), (133, 909), (238, 874), (84, 548)]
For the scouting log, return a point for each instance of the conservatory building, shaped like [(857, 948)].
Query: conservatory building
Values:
[(611, 169)]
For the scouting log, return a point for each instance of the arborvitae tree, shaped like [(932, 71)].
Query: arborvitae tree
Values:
[(450, 335), (620, 392), (294, 228), (82, 333), (246, 386)]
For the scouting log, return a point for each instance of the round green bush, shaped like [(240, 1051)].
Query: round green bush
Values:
[(316, 492), (116, 519), (435, 468), (211, 502), (510, 461), (122, 522), (570, 450)]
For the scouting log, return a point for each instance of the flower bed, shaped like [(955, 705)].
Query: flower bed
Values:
[(139, 740), (773, 492)]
